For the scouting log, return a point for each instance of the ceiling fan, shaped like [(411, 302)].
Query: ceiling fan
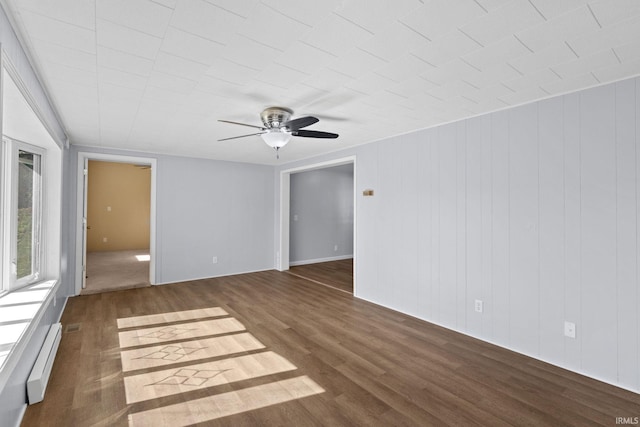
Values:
[(278, 128)]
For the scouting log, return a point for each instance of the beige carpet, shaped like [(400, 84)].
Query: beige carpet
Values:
[(111, 271)]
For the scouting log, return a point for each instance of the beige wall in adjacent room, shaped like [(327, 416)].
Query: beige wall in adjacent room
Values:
[(118, 206)]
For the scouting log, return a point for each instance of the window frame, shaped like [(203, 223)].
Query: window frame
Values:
[(43, 130), (11, 163)]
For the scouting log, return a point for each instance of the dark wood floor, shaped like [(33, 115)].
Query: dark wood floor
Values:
[(336, 274), (376, 366)]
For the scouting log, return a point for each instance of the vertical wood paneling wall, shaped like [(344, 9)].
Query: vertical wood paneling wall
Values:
[(321, 214), (533, 210)]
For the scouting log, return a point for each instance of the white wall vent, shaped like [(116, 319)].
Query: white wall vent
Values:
[(37, 382)]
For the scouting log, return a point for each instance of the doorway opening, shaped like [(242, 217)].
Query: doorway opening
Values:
[(116, 211), (318, 223)]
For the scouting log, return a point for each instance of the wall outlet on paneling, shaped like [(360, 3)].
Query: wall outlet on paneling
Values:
[(215, 259), (478, 306), (104, 240), (569, 329)]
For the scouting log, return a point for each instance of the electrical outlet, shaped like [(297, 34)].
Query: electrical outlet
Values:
[(295, 217), (335, 248), (569, 329), (104, 240), (478, 306), (215, 260)]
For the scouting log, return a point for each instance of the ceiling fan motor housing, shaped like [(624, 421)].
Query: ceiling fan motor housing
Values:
[(278, 128), (273, 117)]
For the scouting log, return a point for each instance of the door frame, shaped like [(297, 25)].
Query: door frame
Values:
[(81, 205), (282, 251)]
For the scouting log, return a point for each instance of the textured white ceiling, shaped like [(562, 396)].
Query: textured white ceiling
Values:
[(156, 75)]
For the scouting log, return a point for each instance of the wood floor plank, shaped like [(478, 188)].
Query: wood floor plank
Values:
[(225, 404), (188, 352), (337, 274), (163, 318), (373, 365), (167, 333)]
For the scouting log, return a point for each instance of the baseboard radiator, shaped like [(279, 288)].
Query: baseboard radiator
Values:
[(37, 382)]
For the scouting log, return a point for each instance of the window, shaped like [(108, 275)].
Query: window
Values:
[(28, 235), (30, 219), (22, 206)]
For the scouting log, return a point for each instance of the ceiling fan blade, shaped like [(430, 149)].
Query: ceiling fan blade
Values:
[(314, 134), (299, 123), (241, 136), (242, 124)]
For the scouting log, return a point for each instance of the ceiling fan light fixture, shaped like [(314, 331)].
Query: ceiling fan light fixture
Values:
[(276, 138), (279, 128)]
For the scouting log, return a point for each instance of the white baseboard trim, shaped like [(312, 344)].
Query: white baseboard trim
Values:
[(64, 306), (318, 260), (211, 277), (497, 344), (21, 416)]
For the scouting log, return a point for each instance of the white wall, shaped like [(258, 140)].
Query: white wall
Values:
[(13, 394), (321, 214), (211, 208), (20, 63), (206, 208), (533, 210)]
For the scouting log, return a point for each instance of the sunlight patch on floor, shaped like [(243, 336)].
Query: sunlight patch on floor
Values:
[(193, 377), (190, 351), (225, 404), (179, 332), (176, 316), (184, 349)]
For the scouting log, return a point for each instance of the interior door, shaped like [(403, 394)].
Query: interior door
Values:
[(84, 222)]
